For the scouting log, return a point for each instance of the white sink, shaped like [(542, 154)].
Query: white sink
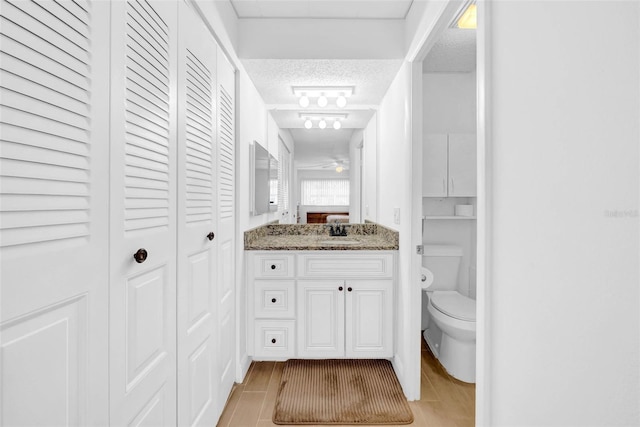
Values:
[(339, 242)]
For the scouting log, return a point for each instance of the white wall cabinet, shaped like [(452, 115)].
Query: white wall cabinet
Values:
[(449, 165), (338, 304)]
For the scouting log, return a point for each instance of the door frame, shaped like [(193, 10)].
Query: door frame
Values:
[(431, 32)]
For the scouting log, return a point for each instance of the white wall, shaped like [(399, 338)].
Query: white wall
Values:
[(449, 102), (564, 292), (394, 191)]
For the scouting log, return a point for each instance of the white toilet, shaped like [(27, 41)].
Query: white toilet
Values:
[(450, 325)]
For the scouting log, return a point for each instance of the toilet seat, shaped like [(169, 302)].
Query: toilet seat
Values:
[(454, 305)]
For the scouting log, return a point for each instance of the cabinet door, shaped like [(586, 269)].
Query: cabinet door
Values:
[(462, 165), (197, 217), (434, 166), (369, 318), (143, 213), (320, 318), (54, 160)]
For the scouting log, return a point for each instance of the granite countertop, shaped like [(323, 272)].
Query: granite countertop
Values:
[(316, 237)]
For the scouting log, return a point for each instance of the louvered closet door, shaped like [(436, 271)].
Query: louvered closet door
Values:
[(226, 227), (143, 213), (197, 221), (53, 212)]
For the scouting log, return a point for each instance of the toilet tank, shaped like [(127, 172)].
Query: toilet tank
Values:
[(444, 263)]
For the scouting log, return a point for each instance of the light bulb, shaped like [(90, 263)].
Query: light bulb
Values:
[(322, 101), (322, 124), (304, 101), (337, 125), (339, 169), (308, 124), (341, 101)]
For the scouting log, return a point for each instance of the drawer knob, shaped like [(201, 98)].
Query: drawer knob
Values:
[(340, 288), (349, 288), (273, 300), (273, 266), (273, 341)]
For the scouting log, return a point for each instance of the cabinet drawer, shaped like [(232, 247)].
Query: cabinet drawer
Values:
[(274, 299), (276, 266), (346, 266), (274, 339)]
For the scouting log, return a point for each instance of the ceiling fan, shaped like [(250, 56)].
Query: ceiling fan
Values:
[(338, 165)]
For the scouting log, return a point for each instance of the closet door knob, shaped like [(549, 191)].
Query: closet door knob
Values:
[(340, 288), (349, 288), (210, 236), (140, 256)]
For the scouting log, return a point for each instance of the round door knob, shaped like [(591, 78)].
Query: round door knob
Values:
[(273, 266), (340, 288), (140, 256), (273, 300), (349, 288), (273, 341), (210, 236)]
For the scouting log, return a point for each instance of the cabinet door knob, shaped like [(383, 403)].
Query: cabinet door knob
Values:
[(273, 340), (210, 236), (140, 256), (349, 288), (273, 266), (273, 300), (340, 288)]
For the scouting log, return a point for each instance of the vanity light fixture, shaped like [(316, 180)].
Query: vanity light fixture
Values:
[(322, 94), (322, 117)]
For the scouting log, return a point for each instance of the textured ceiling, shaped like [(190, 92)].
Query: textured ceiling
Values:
[(344, 9), (455, 51), (274, 77), (315, 148)]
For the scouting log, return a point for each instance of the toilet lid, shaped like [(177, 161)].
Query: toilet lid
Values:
[(455, 305)]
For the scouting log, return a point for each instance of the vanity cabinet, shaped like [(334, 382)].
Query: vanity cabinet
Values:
[(321, 304), (449, 165)]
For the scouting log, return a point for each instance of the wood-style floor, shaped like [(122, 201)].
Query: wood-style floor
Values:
[(445, 402)]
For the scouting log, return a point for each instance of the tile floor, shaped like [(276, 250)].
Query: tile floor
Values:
[(445, 402)]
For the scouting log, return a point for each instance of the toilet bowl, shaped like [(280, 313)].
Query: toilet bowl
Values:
[(455, 316), (450, 330)]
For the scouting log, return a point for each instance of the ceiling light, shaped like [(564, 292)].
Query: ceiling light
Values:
[(308, 124), (322, 101), (322, 124), (339, 168), (341, 101), (304, 101), (468, 18), (309, 117), (337, 125)]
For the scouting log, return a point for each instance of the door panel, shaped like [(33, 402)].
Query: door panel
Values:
[(321, 318), (369, 319), (143, 208), (225, 176), (462, 165), (53, 213), (434, 172), (197, 304)]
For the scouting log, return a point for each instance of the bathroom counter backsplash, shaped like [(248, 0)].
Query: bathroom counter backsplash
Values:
[(317, 237)]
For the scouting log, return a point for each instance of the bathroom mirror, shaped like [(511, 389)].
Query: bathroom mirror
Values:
[(273, 184)]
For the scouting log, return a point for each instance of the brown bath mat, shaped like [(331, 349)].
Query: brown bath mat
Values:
[(340, 391)]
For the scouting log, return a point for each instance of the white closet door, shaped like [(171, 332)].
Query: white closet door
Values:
[(226, 227), (53, 213), (197, 220), (143, 213)]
